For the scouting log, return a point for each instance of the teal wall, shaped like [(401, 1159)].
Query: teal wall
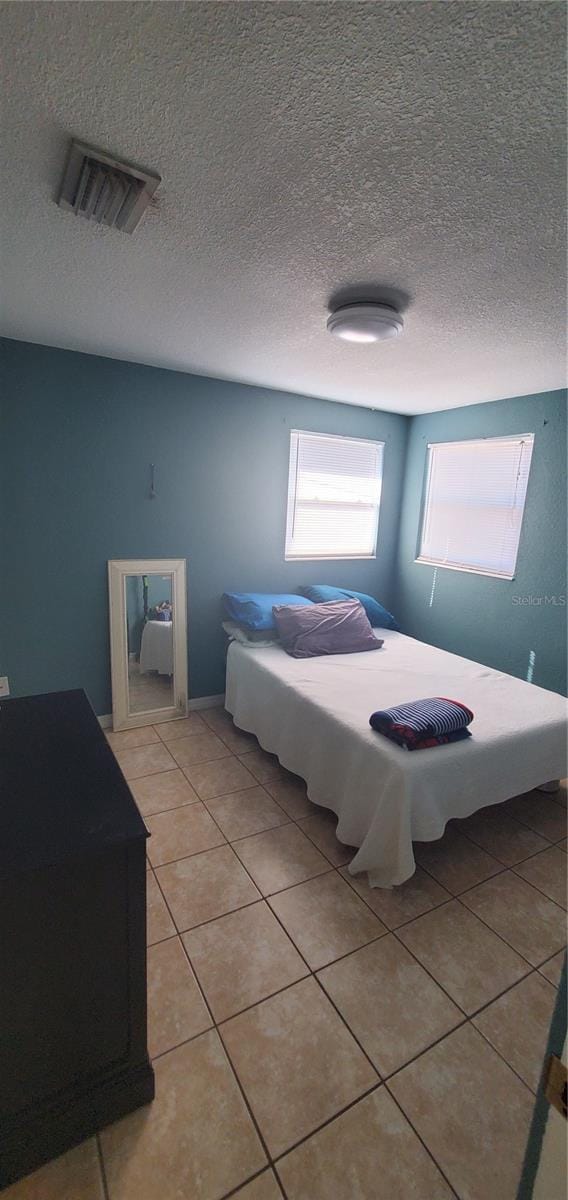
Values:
[(473, 615), (134, 595), (78, 434)]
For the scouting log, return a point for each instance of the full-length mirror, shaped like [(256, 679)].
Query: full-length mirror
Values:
[(150, 637), (148, 640)]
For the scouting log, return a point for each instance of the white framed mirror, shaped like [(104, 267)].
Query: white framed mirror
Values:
[(148, 640)]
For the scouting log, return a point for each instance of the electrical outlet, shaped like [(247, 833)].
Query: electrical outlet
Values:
[(4, 686)]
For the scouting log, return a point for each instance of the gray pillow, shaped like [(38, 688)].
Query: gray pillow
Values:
[(338, 627), (250, 637)]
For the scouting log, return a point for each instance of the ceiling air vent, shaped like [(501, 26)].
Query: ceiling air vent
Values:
[(104, 190)]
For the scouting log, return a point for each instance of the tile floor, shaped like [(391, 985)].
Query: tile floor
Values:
[(312, 1038)]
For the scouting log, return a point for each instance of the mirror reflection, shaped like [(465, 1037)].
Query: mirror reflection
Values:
[(149, 626)]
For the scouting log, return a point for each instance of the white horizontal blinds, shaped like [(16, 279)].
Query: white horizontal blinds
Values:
[(334, 493), (475, 498)]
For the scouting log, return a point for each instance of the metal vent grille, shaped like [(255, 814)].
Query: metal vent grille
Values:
[(104, 190)]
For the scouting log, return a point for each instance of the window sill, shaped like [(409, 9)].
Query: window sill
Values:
[(436, 562), (328, 557)]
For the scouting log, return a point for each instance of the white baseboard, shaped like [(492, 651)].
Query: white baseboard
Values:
[(192, 705), (206, 702)]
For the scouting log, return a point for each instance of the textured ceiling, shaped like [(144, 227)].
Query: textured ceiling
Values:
[(304, 148)]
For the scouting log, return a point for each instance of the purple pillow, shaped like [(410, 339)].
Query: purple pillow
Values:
[(338, 627)]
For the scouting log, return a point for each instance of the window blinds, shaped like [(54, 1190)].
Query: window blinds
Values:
[(334, 491), (474, 502)]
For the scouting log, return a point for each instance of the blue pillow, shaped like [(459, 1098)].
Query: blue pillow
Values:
[(254, 609), (321, 593)]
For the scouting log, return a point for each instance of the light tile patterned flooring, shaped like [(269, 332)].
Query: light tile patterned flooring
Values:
[(313, 1038)]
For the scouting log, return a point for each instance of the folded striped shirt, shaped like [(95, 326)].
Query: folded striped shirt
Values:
[(423, 723)]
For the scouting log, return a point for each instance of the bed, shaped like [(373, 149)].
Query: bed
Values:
[(314, 715), (157, 648)]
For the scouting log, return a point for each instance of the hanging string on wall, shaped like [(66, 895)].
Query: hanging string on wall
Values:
[(153, 492)]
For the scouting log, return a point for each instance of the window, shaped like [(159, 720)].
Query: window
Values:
[(334, 492), (474, 502)]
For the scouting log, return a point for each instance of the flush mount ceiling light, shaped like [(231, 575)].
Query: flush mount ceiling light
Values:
[(365, 322)]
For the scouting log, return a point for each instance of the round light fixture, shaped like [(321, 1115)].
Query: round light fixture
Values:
[(365, 322)]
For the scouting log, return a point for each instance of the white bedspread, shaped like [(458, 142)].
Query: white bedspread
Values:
[(314, 714), (157, 648)]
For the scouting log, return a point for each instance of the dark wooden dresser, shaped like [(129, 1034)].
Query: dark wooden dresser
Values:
[(73, 1053)]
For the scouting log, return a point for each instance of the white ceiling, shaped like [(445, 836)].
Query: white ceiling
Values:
[(304, 148)]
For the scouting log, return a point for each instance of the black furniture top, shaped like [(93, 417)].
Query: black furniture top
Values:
[(67, 794)]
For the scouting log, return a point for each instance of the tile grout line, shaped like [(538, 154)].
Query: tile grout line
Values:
[(468, 1020), (225, 1020), (341, 1112), (380, 1082), (522, 825), (539, 832), (244, 733), (135, 778), (178, 936), (246, 1100), (470, 886), (514, 867), (337, 866), (510, 988), (458, 896), (313, 975), (504, 869), (536, 887), (455, 1194), (427, 970), (191, 804), (452, 897), (297, 821), (350, 879), (465, 1020), (231, 1065), (518, 861), (381, 1079), (160, 811), (216, 1030), (323, 1125), (546, 963), (268, 1170), (200, 925), (266, 899), (496, 1050), (371, 942), (533, 966), (287, 820), (312, 972), (192, 854)]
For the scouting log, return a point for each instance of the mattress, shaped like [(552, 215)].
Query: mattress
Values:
[(157, 648), (314, 715)]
